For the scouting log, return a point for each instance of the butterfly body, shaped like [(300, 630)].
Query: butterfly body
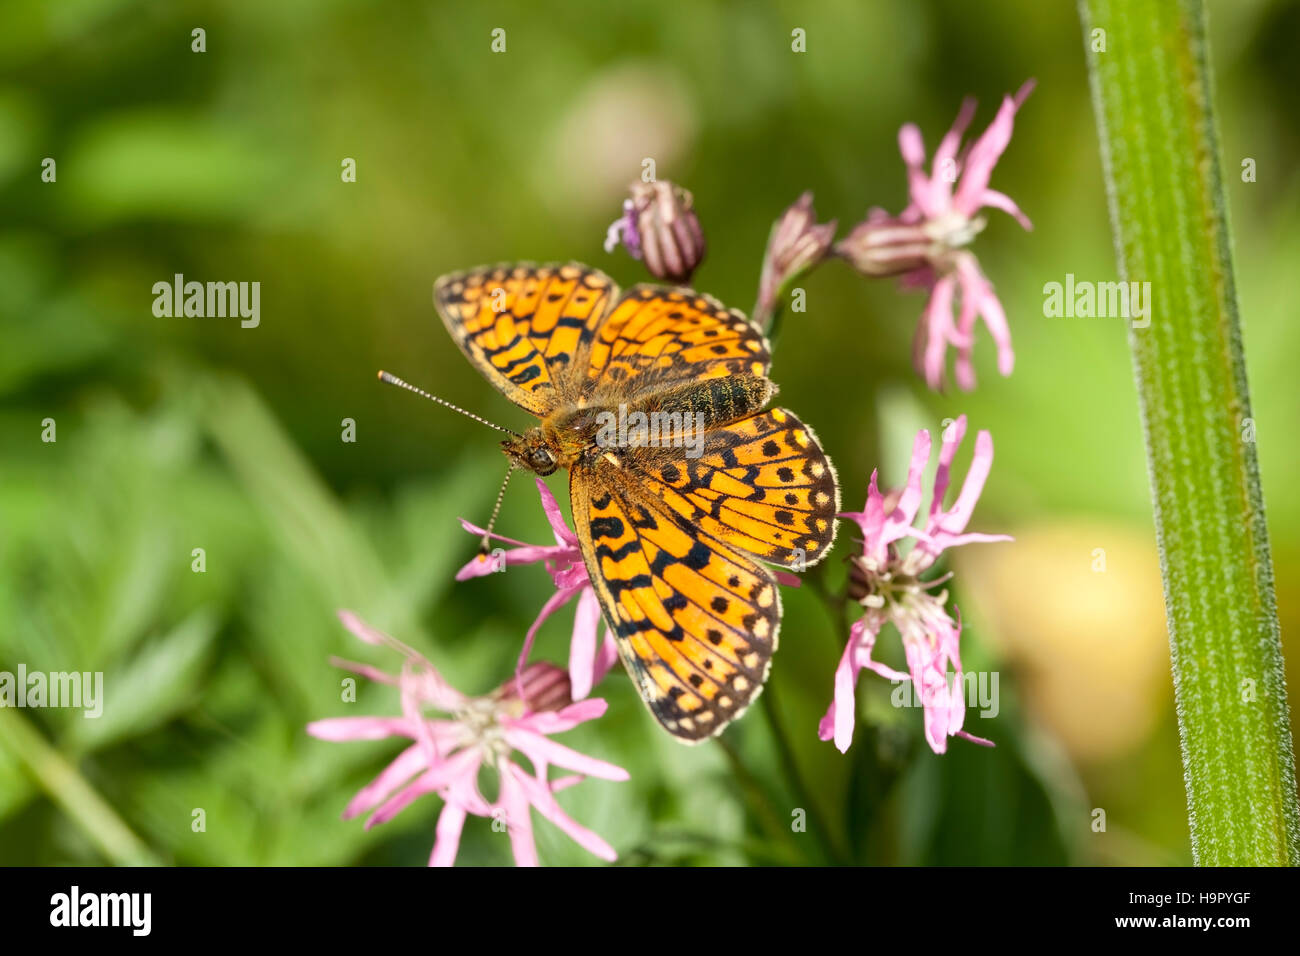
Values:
[(676, 416), (681, 484)]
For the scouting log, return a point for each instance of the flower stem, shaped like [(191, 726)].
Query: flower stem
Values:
[(70, 790), (759, 801), (1152, 98), (795, 778)]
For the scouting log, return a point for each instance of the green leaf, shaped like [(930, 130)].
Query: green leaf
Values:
[(150, 689)]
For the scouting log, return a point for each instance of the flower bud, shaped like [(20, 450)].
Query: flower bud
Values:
[(795, 245), (659, 227)]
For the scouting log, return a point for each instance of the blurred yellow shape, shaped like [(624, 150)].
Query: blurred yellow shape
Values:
[(1077, 610)]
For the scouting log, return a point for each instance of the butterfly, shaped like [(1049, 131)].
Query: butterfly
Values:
[(682, 485)]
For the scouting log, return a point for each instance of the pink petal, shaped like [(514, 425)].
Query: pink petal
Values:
[(841, 716), (553, 604), (952, 438), (605, 657), (964, 366), (937, 322), (929, 196), (366, 671), (481, 566), (361, 629), (519, 821), (432, 687), (964, 370), (582, 647), (997, 200), (370, 635), (539, 795), (984, 155), (872, 522), (958, 516), (563, 535), (899, 522), (463, 792), (460, 765), (412, 708), (876, 667), (949, 144), (929, 680), (542, 751), (957, 540), (978, 291), (911, 145), (407, 764), (450, 823), (996, 320), (842, 713), (359, 728), (557, 722)]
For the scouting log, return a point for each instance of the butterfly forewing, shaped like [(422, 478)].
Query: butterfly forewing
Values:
[(522, 325), (662, 335)]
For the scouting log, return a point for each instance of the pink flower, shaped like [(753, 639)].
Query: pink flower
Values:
[(587, 664), (886, 580), (447, 755), (925, 244)]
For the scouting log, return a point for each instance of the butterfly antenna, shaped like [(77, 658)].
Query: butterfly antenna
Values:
[(394, 380), (496, 510)]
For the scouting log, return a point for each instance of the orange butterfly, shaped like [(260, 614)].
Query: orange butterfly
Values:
[(681, 485)]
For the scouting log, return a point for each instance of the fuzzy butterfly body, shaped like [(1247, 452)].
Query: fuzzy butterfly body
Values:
[(674, 522)]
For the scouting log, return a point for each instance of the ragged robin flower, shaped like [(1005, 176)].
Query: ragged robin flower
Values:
[(587, 663), (926, 244), (479, 736), (659, 227), (890, 583)]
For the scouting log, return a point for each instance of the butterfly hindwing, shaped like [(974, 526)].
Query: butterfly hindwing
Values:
[(522, 325), (695, 620), (762, 485)]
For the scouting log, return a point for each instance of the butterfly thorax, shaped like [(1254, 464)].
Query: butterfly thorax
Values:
[(609, 423)]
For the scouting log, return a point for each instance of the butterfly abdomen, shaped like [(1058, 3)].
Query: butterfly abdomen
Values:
[(717, 401)]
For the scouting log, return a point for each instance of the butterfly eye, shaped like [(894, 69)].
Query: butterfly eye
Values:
[(543, 461)]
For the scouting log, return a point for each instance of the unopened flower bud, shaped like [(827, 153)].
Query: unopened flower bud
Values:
[(659, 227), (796, 244)]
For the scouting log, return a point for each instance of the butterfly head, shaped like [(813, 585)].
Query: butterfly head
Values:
[(532, 451)]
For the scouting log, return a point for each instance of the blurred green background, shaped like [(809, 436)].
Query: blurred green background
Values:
[(176, 434)]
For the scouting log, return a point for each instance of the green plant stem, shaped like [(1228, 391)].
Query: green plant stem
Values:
[(795, 778), (70, 790), (758, 799), (1152, 98)]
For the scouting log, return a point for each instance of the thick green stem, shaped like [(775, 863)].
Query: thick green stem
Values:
[(1151, 86)]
